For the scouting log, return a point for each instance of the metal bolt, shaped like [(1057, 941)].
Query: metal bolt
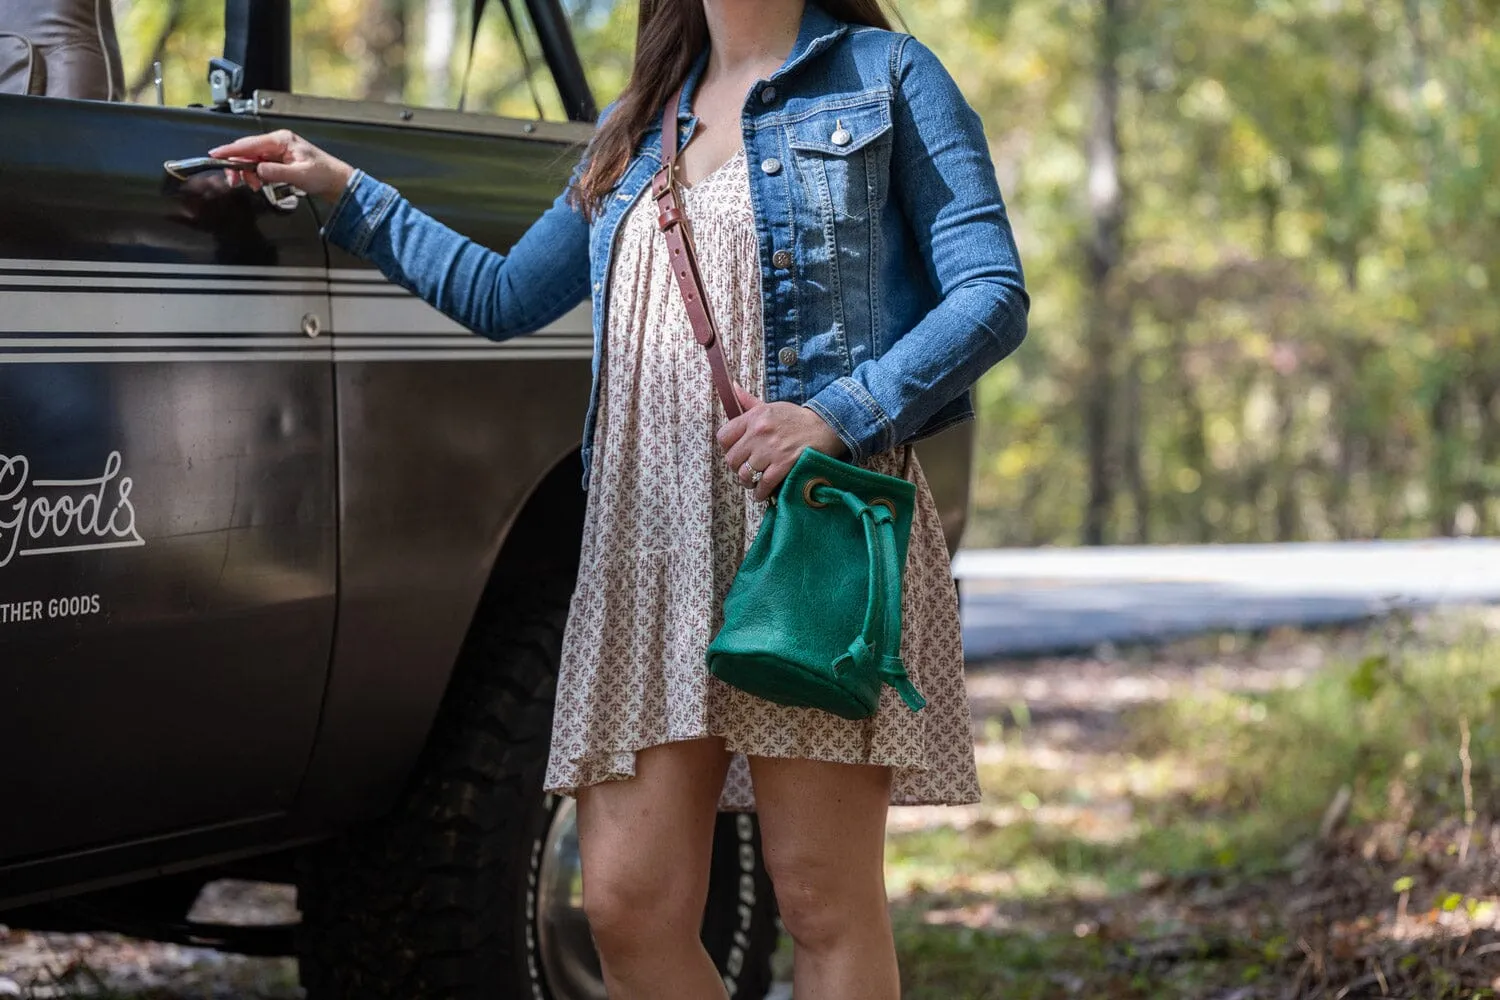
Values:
[(528, 128), (311, 325), (406, 114), (265, 102)]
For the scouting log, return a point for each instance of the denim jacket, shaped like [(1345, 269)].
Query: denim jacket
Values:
[(889, 274)]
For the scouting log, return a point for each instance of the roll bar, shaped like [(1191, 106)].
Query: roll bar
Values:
[(258, 40)]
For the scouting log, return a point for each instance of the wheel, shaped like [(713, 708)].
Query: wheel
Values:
[(470, 888)]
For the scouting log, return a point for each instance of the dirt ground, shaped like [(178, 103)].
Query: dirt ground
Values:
[(1067, 880)]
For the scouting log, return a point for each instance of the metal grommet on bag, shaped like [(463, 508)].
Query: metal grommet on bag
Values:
[(889, 505), (807, 493)]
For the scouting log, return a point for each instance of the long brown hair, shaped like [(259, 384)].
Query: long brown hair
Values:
[(668, 38)]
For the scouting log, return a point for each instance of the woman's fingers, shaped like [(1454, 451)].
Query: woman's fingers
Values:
[(739, 452), (283, 157), (247, 177), (732, 434), (734, 429), (770, 481), (746, 474), (271, 151), (272, 172), (746, 456), (768, 438), (747, 400), (267, 146)]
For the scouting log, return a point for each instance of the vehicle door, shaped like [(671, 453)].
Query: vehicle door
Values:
[(443, 434), (167, 502)]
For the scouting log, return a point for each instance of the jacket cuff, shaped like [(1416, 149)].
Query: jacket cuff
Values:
[(361, 208), (855, 417)]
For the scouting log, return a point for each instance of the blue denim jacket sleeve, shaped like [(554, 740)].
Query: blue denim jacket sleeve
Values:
[(942, 174), (498, 295)]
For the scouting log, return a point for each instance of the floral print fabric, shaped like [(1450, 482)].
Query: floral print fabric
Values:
[(668, 524)]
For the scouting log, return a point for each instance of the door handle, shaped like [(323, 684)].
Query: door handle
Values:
[(183, 169), (281, 195)]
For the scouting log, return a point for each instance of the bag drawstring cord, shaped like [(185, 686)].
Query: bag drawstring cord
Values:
[(878, 645)]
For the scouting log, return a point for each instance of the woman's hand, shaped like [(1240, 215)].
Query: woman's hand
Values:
[(769, 437), (285, 157)]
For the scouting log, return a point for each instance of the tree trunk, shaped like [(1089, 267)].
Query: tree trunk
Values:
[(1489, 458), (1444, 418), (1285, 479), (1194, 439), (440, 35), (147, 74), (381, 33), (1104, 252), (1131, 452), (1284, 366)]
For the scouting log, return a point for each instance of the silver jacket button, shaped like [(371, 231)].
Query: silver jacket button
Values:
[(840, 136), (770, 165), (782, 258), (767, 95), (787, 356)]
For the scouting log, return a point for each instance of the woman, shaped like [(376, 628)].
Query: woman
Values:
[(859, 263)]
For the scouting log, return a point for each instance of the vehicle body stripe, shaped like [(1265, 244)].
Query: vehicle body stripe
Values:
[(90, 312), (162, 269)]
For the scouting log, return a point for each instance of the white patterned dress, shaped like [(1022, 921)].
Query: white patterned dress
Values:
[(668, 523)]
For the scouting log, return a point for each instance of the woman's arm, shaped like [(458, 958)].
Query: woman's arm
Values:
[(942, 173), (498, 295)]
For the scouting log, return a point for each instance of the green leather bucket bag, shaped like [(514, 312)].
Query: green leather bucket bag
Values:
[(813, 617)]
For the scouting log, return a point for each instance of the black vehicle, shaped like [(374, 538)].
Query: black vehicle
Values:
[(285, 555)]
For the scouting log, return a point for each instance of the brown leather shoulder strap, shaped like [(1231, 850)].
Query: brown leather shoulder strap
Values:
[(684, 260)]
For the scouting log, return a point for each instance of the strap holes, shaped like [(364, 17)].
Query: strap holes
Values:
[(807, 493)]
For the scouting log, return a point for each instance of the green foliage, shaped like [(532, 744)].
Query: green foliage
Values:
[(1212, 790), (410, 51), (1310, 345), (1307, 310)]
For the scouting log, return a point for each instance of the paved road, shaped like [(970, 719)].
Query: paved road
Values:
[(1032, 601)]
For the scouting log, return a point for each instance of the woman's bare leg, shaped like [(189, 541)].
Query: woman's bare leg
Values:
[(646, 845), (823, 829)]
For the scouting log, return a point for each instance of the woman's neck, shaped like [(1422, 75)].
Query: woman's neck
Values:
[(748, 35)]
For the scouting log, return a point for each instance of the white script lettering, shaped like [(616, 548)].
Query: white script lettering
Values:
[(41, 517)]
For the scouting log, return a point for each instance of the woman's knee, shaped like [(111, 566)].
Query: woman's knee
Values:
[(821, 901), (633, 906)]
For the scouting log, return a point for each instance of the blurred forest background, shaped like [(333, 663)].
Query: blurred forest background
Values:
[(1262, 239)]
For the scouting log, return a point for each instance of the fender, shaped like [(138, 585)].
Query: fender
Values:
[(403, 615)]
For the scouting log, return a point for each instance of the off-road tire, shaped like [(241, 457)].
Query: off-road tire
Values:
[(435, 901)]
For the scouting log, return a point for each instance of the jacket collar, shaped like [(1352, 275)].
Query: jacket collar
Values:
[(818, 30)]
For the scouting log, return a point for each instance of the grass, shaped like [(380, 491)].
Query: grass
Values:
[(1153, 862), (1150, 828)]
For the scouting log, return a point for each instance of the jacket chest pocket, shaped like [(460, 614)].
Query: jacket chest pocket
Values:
[(843, 156)]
